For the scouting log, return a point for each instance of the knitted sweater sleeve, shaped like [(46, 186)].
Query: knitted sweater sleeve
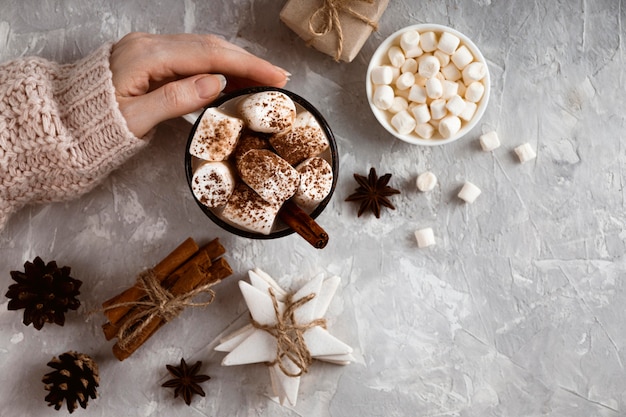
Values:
[(61, 131)]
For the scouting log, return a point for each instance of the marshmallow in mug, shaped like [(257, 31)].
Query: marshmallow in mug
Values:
[(446, 70), (267, 178), (316, 181), (213, 183), (216, 136), (268, 112)]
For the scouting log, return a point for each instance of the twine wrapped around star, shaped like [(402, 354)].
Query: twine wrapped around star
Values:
[(290, 335), (326, 19), (158, 304)]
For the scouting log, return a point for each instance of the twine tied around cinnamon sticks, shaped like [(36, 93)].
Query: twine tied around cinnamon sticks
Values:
[(160, 293), (290, 335), (326, 18), (158, 303)]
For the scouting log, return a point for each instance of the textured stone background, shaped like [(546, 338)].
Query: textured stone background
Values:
[(519, 308)]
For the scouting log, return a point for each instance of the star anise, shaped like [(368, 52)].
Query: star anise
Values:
[(185, 380), (373, 193)]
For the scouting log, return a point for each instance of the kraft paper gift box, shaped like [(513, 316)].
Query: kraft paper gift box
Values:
[(338, 28)]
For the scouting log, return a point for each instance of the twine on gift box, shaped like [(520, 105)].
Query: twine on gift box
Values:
[(289, 335), (326, 18), (159, 303)]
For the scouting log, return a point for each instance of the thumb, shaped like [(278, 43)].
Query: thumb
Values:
[(171, 100)]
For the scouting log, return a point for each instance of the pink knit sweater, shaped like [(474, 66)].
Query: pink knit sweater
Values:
[(61, 131)]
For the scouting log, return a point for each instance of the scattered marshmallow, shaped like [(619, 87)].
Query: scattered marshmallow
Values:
[(428, 66), (525, 152), (428, 41), (469, 193), (425, 237), (383, 97), (449, 126), (382, 74), (448, 43), (462, 57), (426, 181), (396, 56), (489, 141), (403, 122)]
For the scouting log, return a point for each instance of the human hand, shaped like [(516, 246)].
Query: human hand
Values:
[(159, 77)]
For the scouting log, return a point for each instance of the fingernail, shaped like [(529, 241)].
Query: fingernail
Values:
[(284, 71), (222, 81), (206, 88)]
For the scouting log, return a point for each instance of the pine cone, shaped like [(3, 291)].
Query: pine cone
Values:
[(74, 380), (45, 291)]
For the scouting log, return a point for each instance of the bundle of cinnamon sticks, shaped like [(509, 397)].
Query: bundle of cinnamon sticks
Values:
[(134, 315)]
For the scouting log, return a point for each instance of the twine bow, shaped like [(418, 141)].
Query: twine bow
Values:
[(326, 18), (290, 335), (159, 303)]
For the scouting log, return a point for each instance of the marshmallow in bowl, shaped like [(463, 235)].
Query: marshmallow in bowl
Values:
[(409, 41), (448, 43), (474, 71), (428, 66), (449, 126), (213, 183), (462, 57), (403, 122), (383, 96), (247, 210), (269, 175), (383, 74), (449, 68), (268, 111), (316, 181), (216, 135), (305, 139)]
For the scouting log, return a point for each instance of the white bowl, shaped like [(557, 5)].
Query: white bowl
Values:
[(384, 116)]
